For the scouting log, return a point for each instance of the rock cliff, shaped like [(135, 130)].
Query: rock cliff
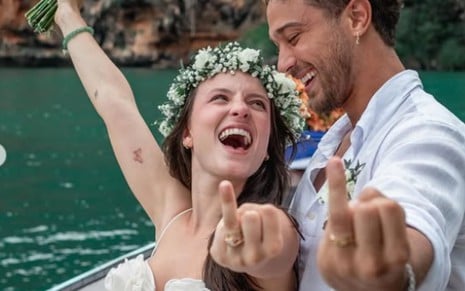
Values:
[(156, 33)]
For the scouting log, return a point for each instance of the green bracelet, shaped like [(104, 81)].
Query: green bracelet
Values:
[(73, 33)]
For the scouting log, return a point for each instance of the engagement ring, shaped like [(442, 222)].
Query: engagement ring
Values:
[(342, 242), (234, 239)]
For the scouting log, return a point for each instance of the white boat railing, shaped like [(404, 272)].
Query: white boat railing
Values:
[(94, 278)]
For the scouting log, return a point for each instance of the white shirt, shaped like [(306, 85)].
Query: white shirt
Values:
[(414, 152)]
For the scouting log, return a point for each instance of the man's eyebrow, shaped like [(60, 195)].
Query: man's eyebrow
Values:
[(286, 26), (280, 31)]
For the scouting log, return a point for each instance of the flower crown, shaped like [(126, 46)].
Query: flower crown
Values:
[(231, 58)]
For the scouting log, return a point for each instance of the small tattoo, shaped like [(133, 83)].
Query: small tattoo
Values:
[(138, 155)]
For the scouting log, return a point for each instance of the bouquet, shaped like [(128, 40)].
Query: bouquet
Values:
[(41, 16)]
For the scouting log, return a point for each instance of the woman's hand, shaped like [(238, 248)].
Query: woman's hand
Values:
[(65, 10), (257, 239)]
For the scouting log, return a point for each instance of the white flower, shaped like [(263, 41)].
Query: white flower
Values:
[(246, 57), (229, 59), (351, 174), (185, 284), (164, 128), (132, 275), (201, 59), (350, 188), (287, 85)]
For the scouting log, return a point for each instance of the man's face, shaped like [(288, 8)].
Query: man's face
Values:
[(315, 48)]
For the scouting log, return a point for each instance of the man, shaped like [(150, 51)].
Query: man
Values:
[(404, 152)]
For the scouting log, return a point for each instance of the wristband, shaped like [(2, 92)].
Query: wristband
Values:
[(73, 33)]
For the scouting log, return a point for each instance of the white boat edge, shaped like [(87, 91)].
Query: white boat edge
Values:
[(93, 279)]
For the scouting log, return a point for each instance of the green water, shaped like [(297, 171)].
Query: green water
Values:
[(64, 206)]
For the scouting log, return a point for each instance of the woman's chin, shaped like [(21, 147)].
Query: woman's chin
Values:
[(236, 172)]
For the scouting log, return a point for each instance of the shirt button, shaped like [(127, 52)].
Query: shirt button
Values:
[(311, 216)]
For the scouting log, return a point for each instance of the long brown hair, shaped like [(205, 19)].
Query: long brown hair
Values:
[(267, 185)]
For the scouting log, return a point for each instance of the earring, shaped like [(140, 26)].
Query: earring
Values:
[(267, 157), (187, 143), (357, 38)]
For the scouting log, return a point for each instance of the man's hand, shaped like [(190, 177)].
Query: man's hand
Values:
[(365, 246)]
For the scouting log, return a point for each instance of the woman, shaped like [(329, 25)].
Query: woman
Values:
[(228, 117)]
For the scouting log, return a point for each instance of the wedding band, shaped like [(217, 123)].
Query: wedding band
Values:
[(342, 242), (234, 239)]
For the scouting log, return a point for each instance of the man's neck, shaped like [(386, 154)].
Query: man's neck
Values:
[(374, 64)]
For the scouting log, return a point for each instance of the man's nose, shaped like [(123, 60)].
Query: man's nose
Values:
[(286, 60)]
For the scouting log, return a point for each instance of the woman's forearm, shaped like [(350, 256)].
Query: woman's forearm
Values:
[(103, 81), (134, 145)]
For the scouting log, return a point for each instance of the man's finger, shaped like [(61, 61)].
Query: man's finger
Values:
[(339, 216), (228, 206), (395, 232)]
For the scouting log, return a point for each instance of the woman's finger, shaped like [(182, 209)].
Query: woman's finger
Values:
[(228, 207)]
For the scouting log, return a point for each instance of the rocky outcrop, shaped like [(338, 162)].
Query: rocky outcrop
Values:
[(156, 33)]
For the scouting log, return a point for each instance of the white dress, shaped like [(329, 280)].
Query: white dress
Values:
[(136, 275)]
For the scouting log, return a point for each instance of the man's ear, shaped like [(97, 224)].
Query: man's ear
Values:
[(359, 15)]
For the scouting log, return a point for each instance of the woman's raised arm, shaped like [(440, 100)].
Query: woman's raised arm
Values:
[(135, 147)]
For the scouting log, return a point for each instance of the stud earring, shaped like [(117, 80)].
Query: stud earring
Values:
[(186, 145), (357, 38)]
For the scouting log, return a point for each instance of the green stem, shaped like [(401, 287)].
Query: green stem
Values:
[(47, 20), (40, 17)]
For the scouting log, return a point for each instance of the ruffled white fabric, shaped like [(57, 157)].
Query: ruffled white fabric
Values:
[(185, 284), (136, 275), (131, 275)]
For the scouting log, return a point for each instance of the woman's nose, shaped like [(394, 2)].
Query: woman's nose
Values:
[(240, 109)]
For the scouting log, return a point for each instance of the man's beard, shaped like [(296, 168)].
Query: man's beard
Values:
[(334, 75)]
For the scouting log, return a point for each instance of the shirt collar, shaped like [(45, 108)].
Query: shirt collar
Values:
[(381, 107), (384, 105), (331, 140)]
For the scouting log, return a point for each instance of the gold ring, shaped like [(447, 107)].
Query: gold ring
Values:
[(342, 242), (234, 239)]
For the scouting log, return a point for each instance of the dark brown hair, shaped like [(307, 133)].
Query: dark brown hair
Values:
[(385, 14), (267, 185)]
